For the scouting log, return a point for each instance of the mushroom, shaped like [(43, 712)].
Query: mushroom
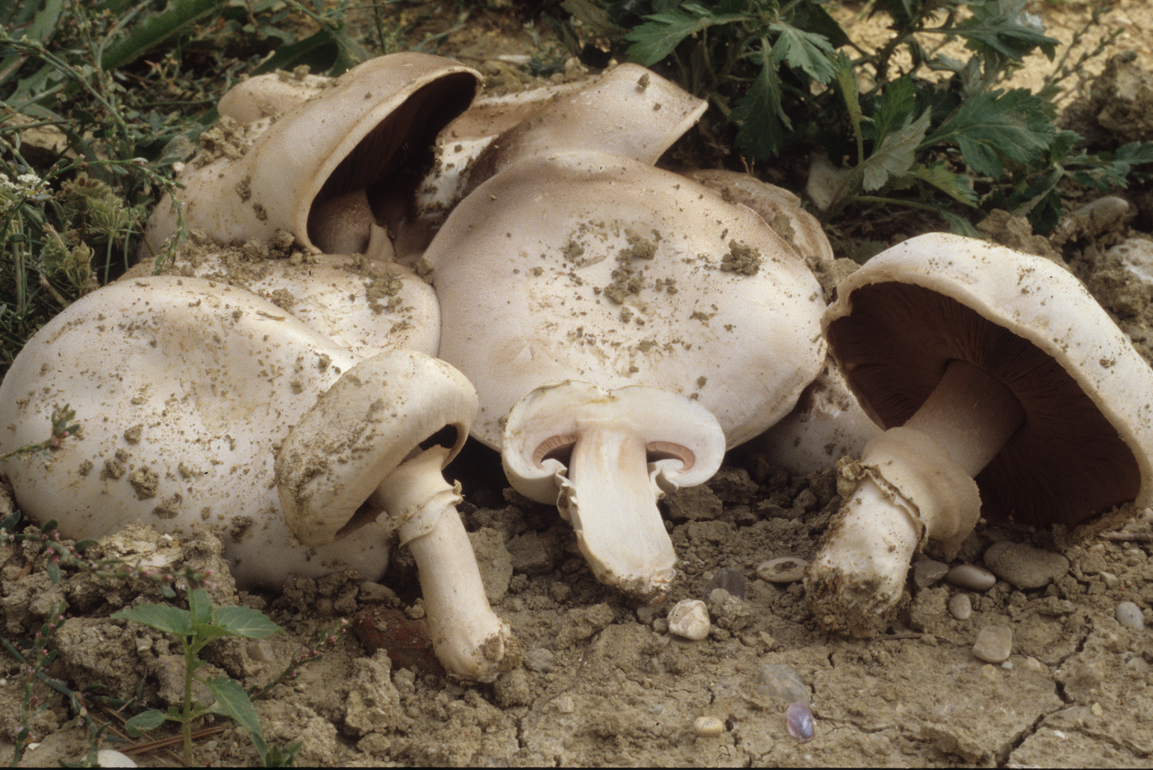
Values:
[(629, 111), (270, 95), (188, 435), (358, 146), (363, 304), (1005, 391), (606, 271)]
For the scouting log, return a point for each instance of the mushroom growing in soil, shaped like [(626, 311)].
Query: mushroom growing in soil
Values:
[(585, 271), (1006, 392), (329, 170), (186, 390)]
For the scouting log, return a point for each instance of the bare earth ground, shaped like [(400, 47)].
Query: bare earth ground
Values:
[(602, 680)]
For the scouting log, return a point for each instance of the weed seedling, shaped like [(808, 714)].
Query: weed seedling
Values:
[(196, 627)]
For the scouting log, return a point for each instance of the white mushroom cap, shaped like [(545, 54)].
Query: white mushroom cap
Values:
[(270, 95), (599, 455), (182, 388), (629, 111), (356, 135), (1007, 392), (606, 270), (361, 304)]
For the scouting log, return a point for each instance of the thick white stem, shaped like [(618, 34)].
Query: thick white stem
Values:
[(611, 499), (469, 639), (916, 485)]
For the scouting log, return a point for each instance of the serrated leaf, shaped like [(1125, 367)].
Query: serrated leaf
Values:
[(806, 51), (233, 702), (811, 17), (993, 124), (758, 113), (161, 617), (895, 155), (959, 225), (894, 108), (153, 30), (663, 32), (999, 25), (145, 721), (956, 186)]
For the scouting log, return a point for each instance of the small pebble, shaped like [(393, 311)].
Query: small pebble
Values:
[(784, 570), (799, 721), (1024, 566), (1129, 614), (780, 681), (708, 727), (539, 659), (926, 572), (729, 580), (689, 618), (971, 577), (994, 643), (961, 607)]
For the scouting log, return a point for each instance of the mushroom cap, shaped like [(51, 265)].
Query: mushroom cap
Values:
[(270, 95), (182, 388), (361, 430), (1086, 392), (606, 270), (629, 111), (355, 135), (364, 305)]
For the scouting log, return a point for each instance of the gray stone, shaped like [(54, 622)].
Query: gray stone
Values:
[(961, 607), (786, 569), (1024, 566), (926, 572), (970, 577), (539, 659), (994, 643), (1130, 615)]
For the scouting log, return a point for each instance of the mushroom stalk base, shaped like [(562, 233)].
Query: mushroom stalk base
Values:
[(611, 499), (470, 640), (915, 484)]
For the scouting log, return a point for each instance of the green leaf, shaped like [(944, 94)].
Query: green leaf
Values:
[(894, 108), (956, 186), (758, 113), (960, 225), (811, 17), (995, 124), (232, 701), (199, 608), (895, 156), (245, 622), (663, 32), (1000, 25), (161, 617), (153, 30), (145, 721), (806, 51)]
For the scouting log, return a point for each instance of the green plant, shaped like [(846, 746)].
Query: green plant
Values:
[(195, 628), (903, 125)]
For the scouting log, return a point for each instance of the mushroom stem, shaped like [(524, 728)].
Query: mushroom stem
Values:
[(611, 499), (915, 484), (970, 413), (469, 639)]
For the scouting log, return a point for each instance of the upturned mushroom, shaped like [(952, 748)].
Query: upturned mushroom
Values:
[(188, 435), (353, 153), (363, 304), (607, 272), (1006, 392)]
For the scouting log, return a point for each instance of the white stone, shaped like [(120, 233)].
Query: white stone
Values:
[(689, 618)]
